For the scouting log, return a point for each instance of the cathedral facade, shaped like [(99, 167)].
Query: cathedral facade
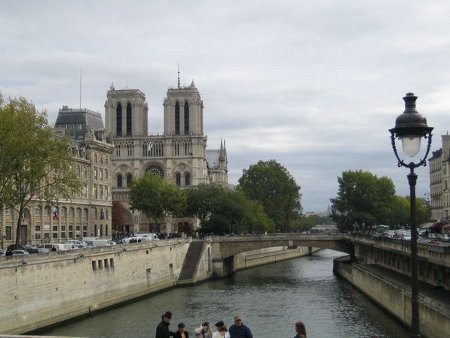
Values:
[(179, 155)]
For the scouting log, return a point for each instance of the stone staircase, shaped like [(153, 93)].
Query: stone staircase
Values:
[(190, 264)]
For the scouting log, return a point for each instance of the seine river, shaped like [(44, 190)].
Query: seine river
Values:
[(269, 299)]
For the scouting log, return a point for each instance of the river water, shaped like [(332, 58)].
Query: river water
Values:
[(269, 299)]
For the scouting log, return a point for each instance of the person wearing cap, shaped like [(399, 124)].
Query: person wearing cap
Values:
[(222, 331), (204, 331), (181, 333), (162, 330), (239, 330)]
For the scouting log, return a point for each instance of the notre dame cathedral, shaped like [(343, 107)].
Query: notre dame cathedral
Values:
[(179, 154)]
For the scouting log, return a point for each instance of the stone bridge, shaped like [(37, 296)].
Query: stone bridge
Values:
[(433, 260), (227, 246)]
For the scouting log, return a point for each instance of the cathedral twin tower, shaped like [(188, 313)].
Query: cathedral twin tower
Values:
[(178, 155)]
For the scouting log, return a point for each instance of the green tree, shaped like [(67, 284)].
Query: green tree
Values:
[(215, 207), (400, 211), (34, 163), (271, 184), (201, 199), (255, 218), (222, 210), (156, 198), (363, 199)]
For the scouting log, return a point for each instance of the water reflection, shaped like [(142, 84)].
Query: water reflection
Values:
[(269, 298)]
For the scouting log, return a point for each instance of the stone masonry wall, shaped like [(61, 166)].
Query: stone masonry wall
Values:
[(396, 299), (40, 290)]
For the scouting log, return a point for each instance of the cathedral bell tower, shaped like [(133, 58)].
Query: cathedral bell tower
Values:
[(126, 113), (183, 111)]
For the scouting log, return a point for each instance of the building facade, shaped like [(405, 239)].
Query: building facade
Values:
[(88, 213), (179, 155), (440, 181)]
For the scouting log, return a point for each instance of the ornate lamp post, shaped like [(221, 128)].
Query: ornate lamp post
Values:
[(410, 128)]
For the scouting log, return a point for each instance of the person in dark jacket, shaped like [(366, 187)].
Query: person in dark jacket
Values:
[(181, 333), (239, 330), (162, 330)]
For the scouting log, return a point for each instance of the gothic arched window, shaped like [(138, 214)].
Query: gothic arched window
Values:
[(119, 181), (178, 179), (177, 118), (186, 118), (129, 119), (129, 179), (119, 119), (187, 179)]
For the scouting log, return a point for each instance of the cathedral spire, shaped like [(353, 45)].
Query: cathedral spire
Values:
[(179, 74)]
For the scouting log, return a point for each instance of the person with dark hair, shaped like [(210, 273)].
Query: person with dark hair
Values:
[(204, 331), (300, 329), (222, 331), (162, 330), (181, 333), (239, 330)]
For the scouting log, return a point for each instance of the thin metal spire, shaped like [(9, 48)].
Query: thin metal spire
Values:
[(81, 74), (179, 74)]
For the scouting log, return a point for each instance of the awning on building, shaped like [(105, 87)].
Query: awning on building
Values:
[(426, 225)]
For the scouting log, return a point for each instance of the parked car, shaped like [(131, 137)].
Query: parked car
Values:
[(31, 249), (28, 248), (75, 244), (2, 252), (52, 246), (20, 252)]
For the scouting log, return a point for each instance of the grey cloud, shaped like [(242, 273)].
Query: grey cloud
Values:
[(314, 85)]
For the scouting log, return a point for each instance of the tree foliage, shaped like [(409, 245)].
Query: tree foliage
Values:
[(222, 210), (304, 223), (271, 184), (156, 198), (400, 212), (213, 204), (362, 199), (34, 163)]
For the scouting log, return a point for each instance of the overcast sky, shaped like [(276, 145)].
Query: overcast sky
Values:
[(313, 84)]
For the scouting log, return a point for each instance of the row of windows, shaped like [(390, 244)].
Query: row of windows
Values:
[(57, 214), (61, 212), (100, 192), (186, 177), (120, 180), (99, 174), (59, 232), (178, 179), (119, 119)]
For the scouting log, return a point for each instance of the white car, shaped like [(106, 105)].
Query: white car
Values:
[(75, 244)]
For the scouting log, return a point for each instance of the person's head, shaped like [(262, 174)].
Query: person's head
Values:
[(205, 327), (167, 317), (237, 321), (181, 327), (300, 328), (220, 325)]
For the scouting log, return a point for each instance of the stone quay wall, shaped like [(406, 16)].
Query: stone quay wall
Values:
[(42, 290), (269, 255), (395, 298)]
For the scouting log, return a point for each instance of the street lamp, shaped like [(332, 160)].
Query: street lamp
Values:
[(410, 128)]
